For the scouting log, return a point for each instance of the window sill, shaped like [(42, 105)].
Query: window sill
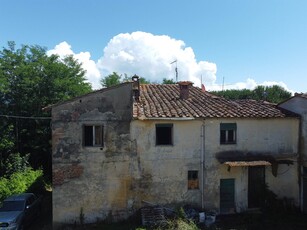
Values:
[(93, 147)]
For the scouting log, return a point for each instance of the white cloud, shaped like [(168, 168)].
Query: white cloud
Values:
[(149, 56), (92, 73), (63, 49), (248, 84)]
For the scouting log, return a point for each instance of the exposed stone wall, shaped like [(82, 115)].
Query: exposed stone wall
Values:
[(94, 179)]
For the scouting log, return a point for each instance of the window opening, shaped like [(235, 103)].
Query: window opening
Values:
[(164, 134), (228, 133), (93, 135), (193, 182)]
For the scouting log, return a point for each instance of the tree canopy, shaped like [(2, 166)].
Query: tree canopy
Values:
[(29, 81), (168, 81), (274, 94), (115, 79), (111, 80)]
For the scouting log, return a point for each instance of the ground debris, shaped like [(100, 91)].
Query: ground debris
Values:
[(152, 215)]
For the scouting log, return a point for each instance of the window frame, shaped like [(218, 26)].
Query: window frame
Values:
[(193, 180), (170, 141), (94, 138), (225, 130)]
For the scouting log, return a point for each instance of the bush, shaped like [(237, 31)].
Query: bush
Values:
[(4, 190), (179, 224), (19, 182)]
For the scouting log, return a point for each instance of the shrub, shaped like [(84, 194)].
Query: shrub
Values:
[(14, 163), (20, 182)]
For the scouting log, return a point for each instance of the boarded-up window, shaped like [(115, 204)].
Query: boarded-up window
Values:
[(228, 133), (93, 135), (193, 182), (164, 134)]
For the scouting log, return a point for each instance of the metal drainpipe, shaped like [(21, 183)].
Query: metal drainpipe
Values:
[(202, 165)]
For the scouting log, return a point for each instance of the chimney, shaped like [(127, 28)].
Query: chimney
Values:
[(136, 87), (184, 89)]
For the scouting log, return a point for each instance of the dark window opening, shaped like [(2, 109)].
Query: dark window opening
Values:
[(93, 135), (193, 182), (231, 137), (164, 134), (228, 133), (223, 136)]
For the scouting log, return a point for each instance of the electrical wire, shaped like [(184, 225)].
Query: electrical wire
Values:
[(23, 117)]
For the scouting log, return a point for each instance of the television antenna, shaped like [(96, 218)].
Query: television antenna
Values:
[(176, 69)]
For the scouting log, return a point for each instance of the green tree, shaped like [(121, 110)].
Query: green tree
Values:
[(234, 94), (14, 163), (274, 94), (168, 81), (29, 81), (115, 79), (144, 81), (111, 80)]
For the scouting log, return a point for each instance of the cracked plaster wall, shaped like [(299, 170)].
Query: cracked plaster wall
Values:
[(166, 167), (96, 179), (274, 136)]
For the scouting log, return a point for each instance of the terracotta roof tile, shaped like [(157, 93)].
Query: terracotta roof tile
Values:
[(163, 101)]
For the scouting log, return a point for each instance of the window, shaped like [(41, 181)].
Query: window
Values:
[(164, 134), (93, 135), (193, 180), (228, 133)]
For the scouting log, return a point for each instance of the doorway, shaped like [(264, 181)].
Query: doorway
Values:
[(256, 186), (227, 195)]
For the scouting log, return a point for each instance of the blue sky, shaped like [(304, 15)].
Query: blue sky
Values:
[(245, 42)]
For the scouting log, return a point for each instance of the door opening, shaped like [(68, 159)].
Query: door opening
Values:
[(256, 186)]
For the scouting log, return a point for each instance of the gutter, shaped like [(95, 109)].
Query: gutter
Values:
[(170, 118)]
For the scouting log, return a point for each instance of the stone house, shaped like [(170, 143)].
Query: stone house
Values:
[(117, 148), (298, 104)]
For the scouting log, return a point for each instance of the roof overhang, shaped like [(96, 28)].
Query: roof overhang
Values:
[(254, 156), (250, 159), (246, 163)]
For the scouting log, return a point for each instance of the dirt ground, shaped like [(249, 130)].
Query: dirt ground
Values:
[(248, 221)]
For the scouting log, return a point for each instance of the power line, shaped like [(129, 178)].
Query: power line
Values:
[(23, 117)]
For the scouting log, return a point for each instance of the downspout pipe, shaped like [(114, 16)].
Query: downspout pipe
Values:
[(202, 136)]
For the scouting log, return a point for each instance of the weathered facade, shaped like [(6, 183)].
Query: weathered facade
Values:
[(119, 147), (298, 104), (92, 177)]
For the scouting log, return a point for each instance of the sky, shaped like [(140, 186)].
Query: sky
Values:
[(225, 44)]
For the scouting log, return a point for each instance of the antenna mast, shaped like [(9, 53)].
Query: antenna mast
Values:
[(176, 69)]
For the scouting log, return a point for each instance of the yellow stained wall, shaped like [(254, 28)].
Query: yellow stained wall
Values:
[(131, 169), (168, 166), (275, 136)]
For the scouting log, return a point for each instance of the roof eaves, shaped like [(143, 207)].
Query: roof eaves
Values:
[(49, 107)]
